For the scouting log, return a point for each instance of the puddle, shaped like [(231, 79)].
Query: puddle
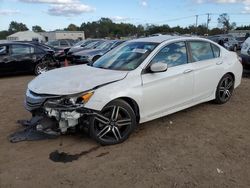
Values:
[(63, 157)]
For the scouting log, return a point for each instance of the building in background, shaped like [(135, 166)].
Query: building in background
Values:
[(56, 35), (26, 36)]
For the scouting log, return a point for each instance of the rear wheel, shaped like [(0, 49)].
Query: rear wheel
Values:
[(114, 123), (41, 68), (224, 89)]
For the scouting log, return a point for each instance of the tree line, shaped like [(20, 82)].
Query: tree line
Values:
[(105, 27)]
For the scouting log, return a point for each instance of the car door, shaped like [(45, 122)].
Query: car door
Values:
[(6, 61), (165, 92), (207, 67), (23, 56)]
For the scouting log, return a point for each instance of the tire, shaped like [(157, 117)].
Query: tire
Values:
[(224, 89), (113, 124), (40, 68)]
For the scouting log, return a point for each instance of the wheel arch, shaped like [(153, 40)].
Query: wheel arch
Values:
[(133, 104), (96, 57), (230, 73)]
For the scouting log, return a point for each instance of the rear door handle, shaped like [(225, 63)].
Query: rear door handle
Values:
[(187, 71)]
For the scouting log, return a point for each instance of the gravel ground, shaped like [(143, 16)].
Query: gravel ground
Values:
[(204, 146)]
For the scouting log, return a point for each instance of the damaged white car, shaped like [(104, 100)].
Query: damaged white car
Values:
[(141, 80)]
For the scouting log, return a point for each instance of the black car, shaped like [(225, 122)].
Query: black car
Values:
[(60, 47), (17, 57)]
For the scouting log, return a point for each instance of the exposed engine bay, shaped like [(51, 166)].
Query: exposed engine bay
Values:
[(53, 115)]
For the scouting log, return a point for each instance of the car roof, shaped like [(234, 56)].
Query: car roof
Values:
[(22, 43), (162, 38)]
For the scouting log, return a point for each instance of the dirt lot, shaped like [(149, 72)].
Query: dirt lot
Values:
[(204, 146)]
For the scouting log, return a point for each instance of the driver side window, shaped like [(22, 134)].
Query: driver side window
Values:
[(173, 54)]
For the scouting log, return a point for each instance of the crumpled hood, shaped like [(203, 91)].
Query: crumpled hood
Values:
[(74, 79)]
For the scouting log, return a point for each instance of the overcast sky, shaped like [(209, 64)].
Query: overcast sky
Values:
[(58, 14)]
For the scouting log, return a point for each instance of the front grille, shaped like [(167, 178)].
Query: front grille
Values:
[(34, 101)]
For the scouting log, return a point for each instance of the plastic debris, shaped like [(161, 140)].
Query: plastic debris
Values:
[(38, 128), (219, 171)]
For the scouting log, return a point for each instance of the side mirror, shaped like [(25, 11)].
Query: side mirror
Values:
[(159, 67)]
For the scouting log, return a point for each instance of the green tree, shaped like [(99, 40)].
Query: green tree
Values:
[(72, 27), (4, 34), (15, 27), (224, 22), (37, 28)]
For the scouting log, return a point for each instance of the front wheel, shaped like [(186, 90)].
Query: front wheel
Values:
[(224, 89), (113, 124)]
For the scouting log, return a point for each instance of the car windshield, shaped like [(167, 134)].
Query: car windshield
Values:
[(53, 43), (80, 43), (126, 57), (92, 44), (105, 45)]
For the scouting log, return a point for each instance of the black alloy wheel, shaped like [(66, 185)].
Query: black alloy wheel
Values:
[(225, 89), (114, 123)]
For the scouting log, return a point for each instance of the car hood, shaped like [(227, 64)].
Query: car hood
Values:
[(74, 79)]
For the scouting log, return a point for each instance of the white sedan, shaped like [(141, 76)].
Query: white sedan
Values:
[(141, 80)]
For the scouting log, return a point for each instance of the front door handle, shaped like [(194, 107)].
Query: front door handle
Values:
[(187, 71), (219, 63)]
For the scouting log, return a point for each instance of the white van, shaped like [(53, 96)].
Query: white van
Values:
[(245, 54)]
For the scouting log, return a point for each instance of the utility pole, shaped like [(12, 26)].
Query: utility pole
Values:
[(208, 20), (196, 23)]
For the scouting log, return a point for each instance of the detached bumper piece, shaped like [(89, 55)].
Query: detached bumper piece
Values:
[(38, 128)]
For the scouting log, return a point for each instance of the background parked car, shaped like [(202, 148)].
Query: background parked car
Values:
[(90, 44), (18, 57), (245, 54), (227, 41), (89, 56), (240, 40), (61, 47)]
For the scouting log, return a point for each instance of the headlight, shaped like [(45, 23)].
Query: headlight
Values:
[(73, 101), (83, 57), (79, 99)]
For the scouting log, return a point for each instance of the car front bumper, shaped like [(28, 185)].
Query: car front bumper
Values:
[(67, 117)]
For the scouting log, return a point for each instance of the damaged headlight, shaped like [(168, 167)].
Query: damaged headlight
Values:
[(67, 102), (79, 99)]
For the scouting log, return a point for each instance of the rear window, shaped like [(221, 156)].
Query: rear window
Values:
[(216, 50), (63, 43), (201, 50)]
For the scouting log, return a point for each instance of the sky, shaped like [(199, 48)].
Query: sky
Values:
[(58, 14)]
